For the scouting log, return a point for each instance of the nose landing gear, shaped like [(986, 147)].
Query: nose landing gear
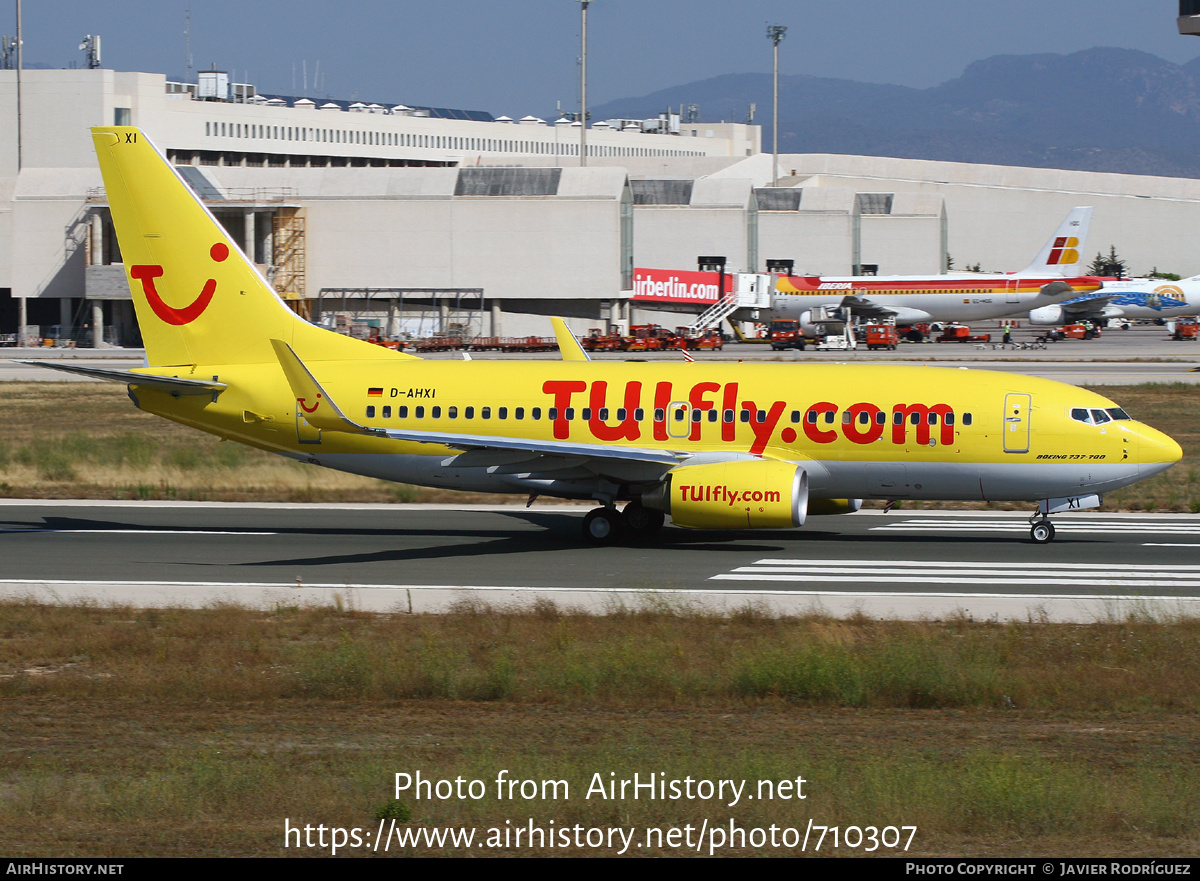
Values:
[(1041, 530)]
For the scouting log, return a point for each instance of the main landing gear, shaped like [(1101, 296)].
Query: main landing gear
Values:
[(1041, 530), (605, 526)]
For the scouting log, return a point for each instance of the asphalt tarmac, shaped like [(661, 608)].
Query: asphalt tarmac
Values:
[(425, 558), (1144, 353)]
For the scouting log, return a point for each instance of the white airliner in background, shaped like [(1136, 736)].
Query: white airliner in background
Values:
[(1131, 298), (959, 297)]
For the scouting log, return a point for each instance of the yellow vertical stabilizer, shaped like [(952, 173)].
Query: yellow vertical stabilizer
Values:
[(198, 299)]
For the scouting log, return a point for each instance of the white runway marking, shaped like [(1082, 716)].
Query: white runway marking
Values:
[(965, 572), (1096, 526), (140, 531)]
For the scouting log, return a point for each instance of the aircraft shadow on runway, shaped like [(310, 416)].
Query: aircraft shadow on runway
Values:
[(555, 532)]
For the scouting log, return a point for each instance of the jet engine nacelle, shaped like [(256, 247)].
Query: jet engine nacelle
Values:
[(1053, 315), (747, 494), (833, 506), (806, 326)]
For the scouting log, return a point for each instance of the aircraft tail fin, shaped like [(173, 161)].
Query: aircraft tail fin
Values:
[(1060, 255), (197, 298)]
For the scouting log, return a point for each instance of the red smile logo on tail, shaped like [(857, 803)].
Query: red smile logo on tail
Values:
[(305, 407), (146, 275)]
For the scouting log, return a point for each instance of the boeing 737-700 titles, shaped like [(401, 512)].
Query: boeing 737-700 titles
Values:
[(714, 445)]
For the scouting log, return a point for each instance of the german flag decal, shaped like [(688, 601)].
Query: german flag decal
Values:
[(374, 393)]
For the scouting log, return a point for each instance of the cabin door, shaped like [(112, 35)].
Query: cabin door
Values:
[(1016, 423)]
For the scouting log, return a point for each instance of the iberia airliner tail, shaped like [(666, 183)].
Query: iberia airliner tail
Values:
[(1060, 255), (198, 299)]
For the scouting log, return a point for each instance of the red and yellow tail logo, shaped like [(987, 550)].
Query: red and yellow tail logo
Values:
[(1063, 252), (146, 273)]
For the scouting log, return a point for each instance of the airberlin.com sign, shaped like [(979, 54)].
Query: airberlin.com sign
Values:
[(675, 286)]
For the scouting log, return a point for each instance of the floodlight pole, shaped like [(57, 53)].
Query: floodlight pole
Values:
[(22, 303), (583, 8), (775, 33), (18, 85)]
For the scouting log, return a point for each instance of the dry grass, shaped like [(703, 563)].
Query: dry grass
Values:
[(173, 732), (231, 654), (87, 441)]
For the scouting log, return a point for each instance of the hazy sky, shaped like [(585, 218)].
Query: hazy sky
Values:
[(521, 56)]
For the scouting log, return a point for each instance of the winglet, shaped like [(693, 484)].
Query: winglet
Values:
[(568, 345), (318, 408)]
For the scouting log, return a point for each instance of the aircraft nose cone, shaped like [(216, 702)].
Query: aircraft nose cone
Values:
[(1156, 451)]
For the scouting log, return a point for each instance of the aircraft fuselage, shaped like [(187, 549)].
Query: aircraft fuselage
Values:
[(858, 430)]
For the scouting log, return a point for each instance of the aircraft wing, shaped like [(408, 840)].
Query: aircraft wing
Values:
[(866, 308), (862, 307), (546, 458), (1087, 308), (480, 442)]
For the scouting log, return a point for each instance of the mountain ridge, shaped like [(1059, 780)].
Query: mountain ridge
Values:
[(1101, 109)]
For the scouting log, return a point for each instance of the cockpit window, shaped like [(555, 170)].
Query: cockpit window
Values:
[(1098, 417)]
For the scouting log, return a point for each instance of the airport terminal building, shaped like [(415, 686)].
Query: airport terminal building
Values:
[(441, 216)]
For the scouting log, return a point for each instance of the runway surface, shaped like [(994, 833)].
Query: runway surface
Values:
[(417, 558)]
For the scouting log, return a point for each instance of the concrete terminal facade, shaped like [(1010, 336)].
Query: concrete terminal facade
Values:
[(429, 208)]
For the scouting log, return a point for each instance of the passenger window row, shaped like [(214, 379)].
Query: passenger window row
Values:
[(864, 418), (678, 415)]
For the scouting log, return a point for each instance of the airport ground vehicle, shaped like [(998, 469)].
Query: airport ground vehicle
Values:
[(1084, 331), (647, 338), (785, 333), (599, 341), (882, 336), (960, 333), (1186, 329), (1070, 332), (704, 341), (915, 333), (712, 445)]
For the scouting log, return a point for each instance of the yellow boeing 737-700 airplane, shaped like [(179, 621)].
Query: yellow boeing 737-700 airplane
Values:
[(715, 445)]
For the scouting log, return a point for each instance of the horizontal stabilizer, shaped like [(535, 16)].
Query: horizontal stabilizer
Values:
[(172, 384)]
